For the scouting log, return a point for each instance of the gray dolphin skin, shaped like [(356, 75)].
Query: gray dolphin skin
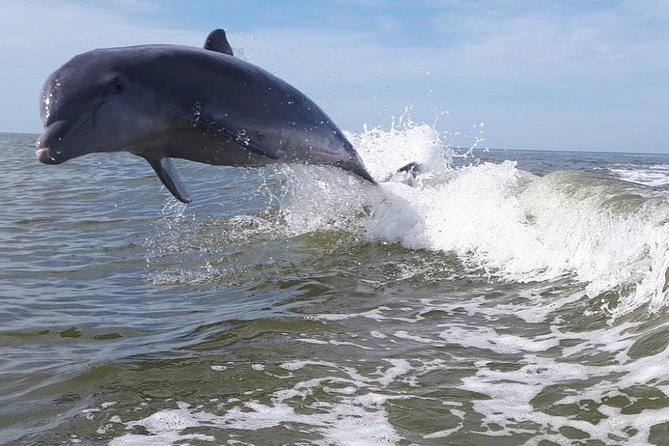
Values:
[(201, 104)]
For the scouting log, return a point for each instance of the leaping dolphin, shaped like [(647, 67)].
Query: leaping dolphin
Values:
[(200, 104)]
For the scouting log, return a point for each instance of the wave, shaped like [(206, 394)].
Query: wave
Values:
[(612, 236)]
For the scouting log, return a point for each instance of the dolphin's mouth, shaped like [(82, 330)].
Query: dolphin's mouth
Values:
[(52, 136), (44, 155), (49, 146)]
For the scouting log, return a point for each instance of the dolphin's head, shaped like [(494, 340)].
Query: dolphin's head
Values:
[(93, 104)]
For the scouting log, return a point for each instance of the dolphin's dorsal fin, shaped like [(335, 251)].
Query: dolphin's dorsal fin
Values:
[(168, 175), (217, 41)]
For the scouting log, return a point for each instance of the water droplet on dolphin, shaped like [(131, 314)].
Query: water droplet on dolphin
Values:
[(197, 113), (242, 138)]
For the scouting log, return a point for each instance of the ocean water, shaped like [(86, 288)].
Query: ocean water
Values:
[(500, 297)]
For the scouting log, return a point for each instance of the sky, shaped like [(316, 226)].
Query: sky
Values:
[(520, 74)]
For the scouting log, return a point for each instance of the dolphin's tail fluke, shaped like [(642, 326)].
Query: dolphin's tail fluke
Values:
[(413, 168), (409, 171)]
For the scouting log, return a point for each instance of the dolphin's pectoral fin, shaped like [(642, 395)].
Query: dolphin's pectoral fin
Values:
[(217, 41), (165, 170), (238, 135)]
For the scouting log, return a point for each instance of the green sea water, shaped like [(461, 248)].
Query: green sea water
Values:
[(507, 298)]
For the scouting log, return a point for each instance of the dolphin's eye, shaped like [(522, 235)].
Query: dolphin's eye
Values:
[(115, 86)]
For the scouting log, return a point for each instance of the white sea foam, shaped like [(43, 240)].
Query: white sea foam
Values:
[(515, 226), (512, 394), (355, 411), (358, 418)]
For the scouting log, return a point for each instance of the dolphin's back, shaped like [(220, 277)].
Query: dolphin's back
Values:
[(235, 99)]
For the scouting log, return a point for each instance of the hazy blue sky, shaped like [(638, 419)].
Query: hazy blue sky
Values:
[(585, 74)]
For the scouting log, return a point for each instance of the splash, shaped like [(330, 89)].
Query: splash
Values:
[(612, 236)]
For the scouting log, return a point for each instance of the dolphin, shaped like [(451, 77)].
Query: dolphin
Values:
[(201, 104)]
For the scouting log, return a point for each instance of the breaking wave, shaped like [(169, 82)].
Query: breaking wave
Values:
[(610, 235)]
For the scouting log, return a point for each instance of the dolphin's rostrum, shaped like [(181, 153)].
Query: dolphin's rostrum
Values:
[(200, 104)]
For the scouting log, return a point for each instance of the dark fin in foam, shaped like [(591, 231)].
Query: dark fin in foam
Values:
[(217, 41), (412, 168), (168, 175)]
